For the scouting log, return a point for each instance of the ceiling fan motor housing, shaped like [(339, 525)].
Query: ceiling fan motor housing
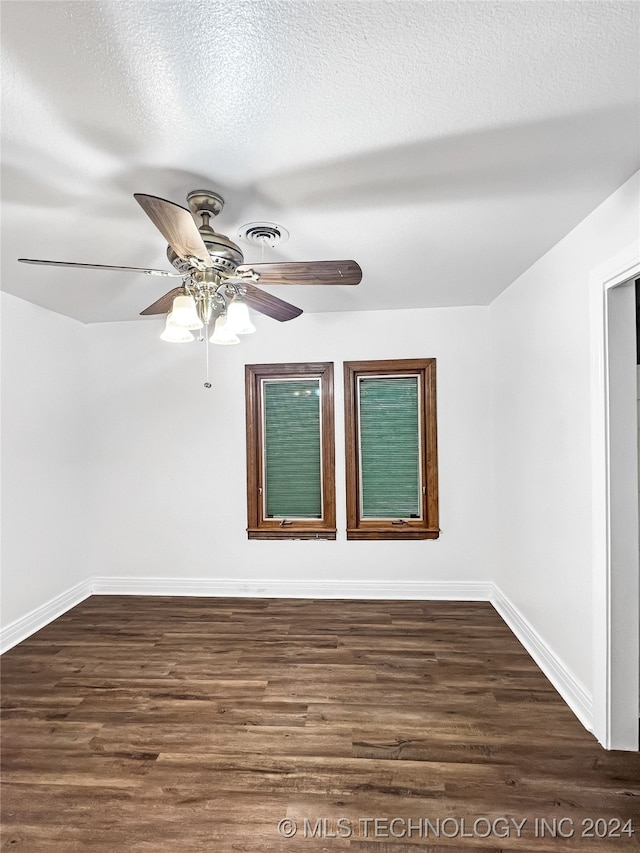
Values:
[(226, 256)]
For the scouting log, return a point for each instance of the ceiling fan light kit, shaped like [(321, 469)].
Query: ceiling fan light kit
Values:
[(223, 335), (184, 313), (238, 317), (218, 287), (175, 334)]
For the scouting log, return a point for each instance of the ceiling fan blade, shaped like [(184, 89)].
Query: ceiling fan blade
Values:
[(307, 272), (176, 225), (99, 267), (270, 305), (163, 305)]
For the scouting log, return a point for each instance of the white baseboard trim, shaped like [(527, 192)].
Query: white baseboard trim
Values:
[(245, 588), (27, 625), (574, 693)]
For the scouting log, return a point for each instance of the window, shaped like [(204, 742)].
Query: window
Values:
[(290, 451), (391, 449)]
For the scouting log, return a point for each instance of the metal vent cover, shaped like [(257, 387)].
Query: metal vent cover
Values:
[(263, 233)]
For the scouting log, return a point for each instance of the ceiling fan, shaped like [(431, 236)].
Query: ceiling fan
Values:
[(214, 275)]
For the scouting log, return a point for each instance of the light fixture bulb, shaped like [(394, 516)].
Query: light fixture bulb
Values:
[(184, 313), (238, 319), (222, 334), (175, 334)]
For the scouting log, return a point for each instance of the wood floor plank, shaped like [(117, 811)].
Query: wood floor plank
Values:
[(151, 725)]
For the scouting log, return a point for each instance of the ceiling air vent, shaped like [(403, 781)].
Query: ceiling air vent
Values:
[(263, 234)]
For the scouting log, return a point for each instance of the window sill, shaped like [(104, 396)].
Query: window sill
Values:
[(392, 533), (291, 533)]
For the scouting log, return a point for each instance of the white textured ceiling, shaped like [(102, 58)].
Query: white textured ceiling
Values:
[(445, 146)]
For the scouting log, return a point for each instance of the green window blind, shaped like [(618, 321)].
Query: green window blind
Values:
[(292, 466), (390, 482)]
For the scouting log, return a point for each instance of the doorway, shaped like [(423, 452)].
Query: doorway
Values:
[(616, 575)]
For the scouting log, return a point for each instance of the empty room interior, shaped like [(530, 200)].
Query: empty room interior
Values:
[(320, 394)]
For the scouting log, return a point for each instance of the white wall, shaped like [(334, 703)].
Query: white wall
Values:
[(44, 443), (168, 457), (542, 408)]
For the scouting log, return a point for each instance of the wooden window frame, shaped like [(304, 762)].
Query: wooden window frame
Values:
[(426, 527), (259, 527)]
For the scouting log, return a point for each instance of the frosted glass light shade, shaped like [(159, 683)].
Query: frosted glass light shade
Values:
[(175, 334), (222, 334), (185, 314), (238, 319)]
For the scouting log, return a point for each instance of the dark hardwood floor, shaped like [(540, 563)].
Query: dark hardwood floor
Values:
[(194, 724)]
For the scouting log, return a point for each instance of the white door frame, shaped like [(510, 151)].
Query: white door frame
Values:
[(616, 597)]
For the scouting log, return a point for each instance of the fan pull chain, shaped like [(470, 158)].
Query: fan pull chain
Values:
[(207, 384)]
